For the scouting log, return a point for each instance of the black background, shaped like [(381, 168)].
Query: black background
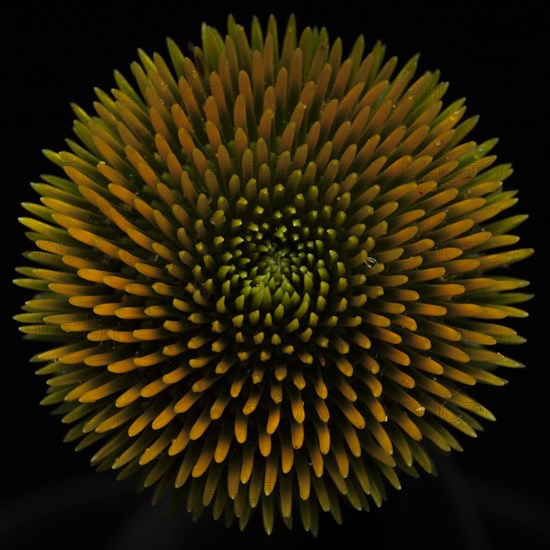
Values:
[(495, 492)]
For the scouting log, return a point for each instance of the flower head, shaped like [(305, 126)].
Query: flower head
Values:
[(267, 274)]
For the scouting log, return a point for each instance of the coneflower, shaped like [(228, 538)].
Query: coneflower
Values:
[(266, 272)]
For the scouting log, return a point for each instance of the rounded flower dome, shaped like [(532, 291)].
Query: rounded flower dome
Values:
[(267, 274)]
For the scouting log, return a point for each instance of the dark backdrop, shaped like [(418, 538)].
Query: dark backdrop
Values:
[(495, 492)]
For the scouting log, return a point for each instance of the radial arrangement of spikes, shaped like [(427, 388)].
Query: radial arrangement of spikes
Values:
[(265, 274)]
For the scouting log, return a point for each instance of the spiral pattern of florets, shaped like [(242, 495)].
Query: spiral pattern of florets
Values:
[(267, 271)]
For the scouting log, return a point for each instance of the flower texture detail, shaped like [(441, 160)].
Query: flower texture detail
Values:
[(266, 274)]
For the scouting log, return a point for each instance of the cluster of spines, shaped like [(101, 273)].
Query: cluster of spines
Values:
[(268, 270)]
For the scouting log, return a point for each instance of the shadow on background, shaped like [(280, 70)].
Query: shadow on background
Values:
[(454, 511)]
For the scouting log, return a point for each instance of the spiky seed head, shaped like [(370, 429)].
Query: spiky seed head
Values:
[(267, 274)]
